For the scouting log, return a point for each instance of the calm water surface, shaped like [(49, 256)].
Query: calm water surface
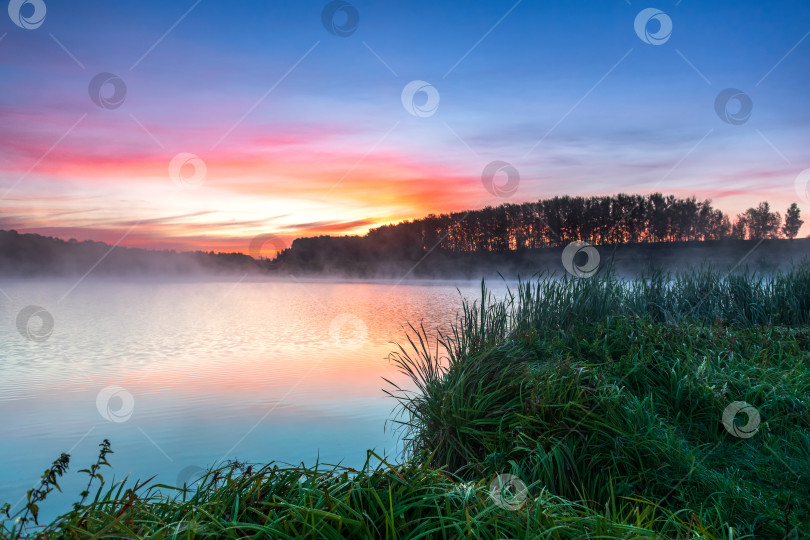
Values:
[(179, 375)]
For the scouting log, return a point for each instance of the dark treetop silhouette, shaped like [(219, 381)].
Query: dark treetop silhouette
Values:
[(653, 229)]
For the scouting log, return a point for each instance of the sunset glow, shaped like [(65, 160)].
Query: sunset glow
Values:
[(303, 133)]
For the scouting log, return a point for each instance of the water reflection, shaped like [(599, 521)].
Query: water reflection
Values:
[(180, 375)]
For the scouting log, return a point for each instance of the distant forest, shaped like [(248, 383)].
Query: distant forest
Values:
[(518, 238), (620, 219), (35, 255), (548, 223)]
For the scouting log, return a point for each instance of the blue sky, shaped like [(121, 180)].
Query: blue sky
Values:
[(304, 132)]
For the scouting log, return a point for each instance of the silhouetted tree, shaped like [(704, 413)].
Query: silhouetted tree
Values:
[(792, 221), (738, 230), (760, 222)]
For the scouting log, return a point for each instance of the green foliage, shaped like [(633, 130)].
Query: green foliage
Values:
[(379, 500), (599, 390)]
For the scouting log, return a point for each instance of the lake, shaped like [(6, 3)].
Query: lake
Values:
[(179, 375)]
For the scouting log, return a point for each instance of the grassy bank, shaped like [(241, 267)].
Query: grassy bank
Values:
[(588, 408)]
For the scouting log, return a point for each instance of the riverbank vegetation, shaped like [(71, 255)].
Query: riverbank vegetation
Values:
[(665, 407)]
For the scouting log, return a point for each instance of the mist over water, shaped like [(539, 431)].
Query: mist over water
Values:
[(180, 374)]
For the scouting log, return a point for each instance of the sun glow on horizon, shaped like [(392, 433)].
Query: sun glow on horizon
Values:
[(215, 140)]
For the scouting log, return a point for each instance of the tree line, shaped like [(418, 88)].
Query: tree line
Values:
[(618, 219), (496, 237), (27, 254)]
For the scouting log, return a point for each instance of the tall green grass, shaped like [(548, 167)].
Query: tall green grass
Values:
[(604, 397), (379, 500), (600, 388)]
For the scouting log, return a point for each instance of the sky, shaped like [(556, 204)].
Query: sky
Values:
[(202, 124)]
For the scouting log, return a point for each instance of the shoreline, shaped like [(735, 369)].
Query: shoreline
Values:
[(597, 407)]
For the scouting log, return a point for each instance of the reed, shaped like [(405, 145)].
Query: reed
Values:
[(598, 389), (379, 500)]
